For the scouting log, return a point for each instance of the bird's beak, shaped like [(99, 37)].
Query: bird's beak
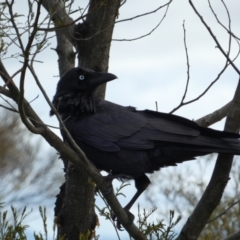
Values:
[(100, 78)]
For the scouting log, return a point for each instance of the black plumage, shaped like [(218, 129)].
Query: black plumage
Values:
[(128, 142)]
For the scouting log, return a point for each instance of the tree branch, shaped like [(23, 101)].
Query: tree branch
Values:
[(234, 236), (216, 17), (214, 38), (224, 212), (215, 116), (188, 74), (144, 14), (147, 34), (60, 18), (213, 193)]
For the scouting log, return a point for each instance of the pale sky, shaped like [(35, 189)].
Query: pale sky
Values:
[(154, 68)]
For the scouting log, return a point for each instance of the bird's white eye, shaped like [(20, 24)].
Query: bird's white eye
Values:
[(81, 77)]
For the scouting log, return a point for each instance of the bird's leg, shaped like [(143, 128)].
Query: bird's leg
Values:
[(141, 183)]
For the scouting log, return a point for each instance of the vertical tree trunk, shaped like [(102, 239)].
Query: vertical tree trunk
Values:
[(94, 36), (92, 40)]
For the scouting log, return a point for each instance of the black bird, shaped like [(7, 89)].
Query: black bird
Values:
[(128, 142)]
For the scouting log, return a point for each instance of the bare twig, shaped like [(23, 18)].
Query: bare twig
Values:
[(204, 92), (144, 14), (224, 212), (215, 15), (214, 38), (228, 62), (145, 35), (188, 72), (69, 137), (65, 25), (34, 99), (36, 130), (10, 79), (109, 209), (229, 31), (156, 103), (122, 2), (10, 109), (10, 8), (234, 236)]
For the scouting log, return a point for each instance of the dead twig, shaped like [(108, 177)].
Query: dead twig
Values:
[(147, 34), (215, 39), (224, 212), (188, 71), (144, 14)]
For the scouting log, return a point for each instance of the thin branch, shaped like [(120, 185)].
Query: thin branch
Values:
[(69, 137), (36, 130), (156, 103), (44, 125), (214, 38), (144, 14), (10, 109), (188, 66), (228, 62), (109, 209), (229, 26), (34, 99), (10, 8), (230, 37), (65, 25), (215, 15), (122, 2), (10, 79), (204, 92), (145, 35), (234, 236), (188, 72), (224, 212)]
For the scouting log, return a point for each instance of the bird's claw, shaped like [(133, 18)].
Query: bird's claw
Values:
[(118, 223)]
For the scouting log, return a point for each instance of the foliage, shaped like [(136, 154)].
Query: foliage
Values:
[(157, 229), (15, 229), (152, 229)]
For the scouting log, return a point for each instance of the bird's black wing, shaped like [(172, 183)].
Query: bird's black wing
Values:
[(113, 127)]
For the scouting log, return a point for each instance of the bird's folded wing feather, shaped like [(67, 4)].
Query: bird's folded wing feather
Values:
[(113, 127)]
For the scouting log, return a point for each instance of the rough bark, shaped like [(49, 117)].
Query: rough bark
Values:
[(93, 37), (92, 40)]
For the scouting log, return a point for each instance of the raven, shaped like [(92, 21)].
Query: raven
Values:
[(127, 142)]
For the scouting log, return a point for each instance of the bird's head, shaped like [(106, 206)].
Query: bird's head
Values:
[(75, 88), (82, 80)]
